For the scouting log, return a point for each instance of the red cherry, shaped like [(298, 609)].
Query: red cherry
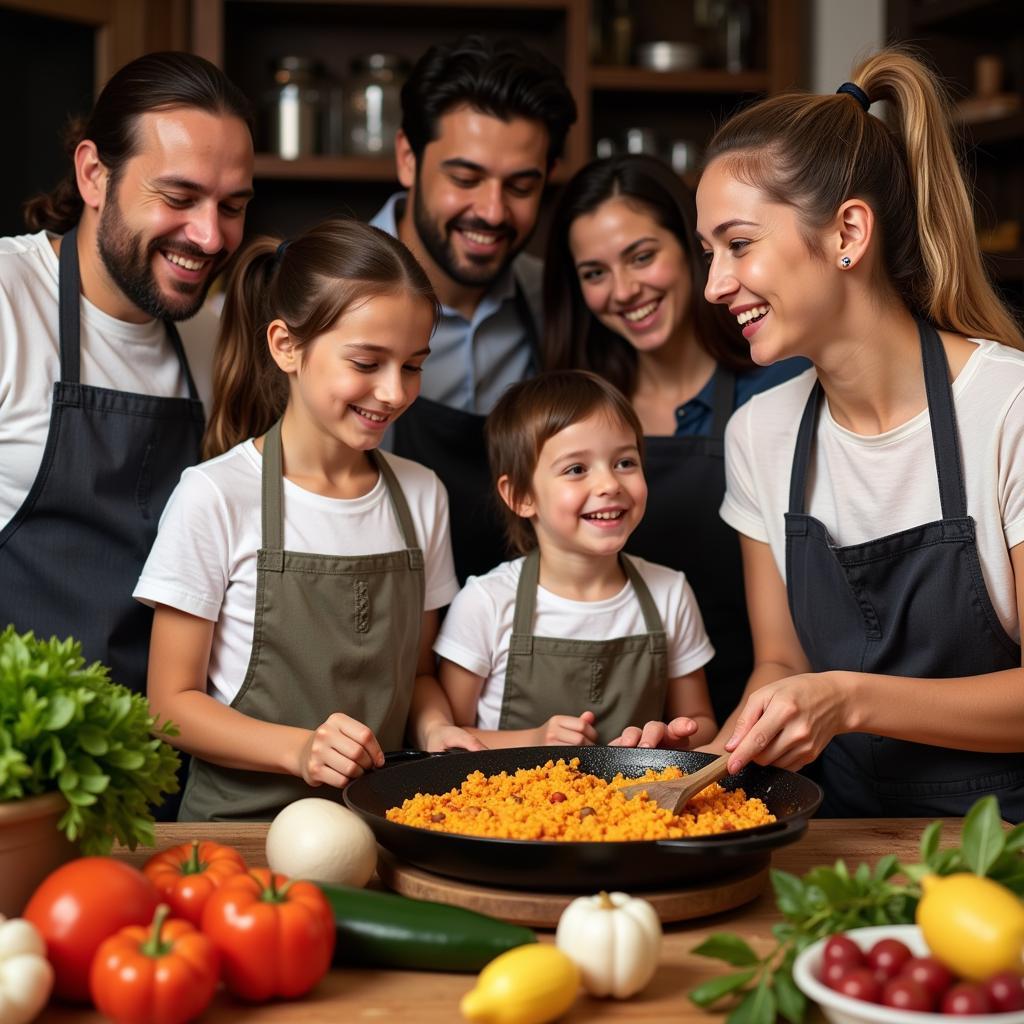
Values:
[(965, 998), (928, 972), (903, 993), (1005, 991), (887, 957), (860, 983), (839, 949), (832, 974)]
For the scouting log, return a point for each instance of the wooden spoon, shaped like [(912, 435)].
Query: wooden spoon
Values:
[(673, 794)]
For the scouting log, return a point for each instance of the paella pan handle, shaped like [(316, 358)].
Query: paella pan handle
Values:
[(766, 837), (393, 757)]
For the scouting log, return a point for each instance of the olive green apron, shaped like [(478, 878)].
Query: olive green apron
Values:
[(331, 633), (623, 680)]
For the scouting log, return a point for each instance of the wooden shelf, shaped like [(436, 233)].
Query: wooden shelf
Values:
[(1003, 129), (326, 168), (644, 80)]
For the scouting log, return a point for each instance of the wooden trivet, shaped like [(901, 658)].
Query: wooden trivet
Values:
[(543, 909)]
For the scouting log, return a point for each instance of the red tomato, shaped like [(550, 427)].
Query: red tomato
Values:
[(886, 958), (903, 993), (860, 983), (840, 949), (1005, 991), (833, 973), (965, 998), (929, 973), (79, 905)]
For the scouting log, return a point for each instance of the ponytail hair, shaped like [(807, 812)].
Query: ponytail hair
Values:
[(157, 81), (309, 283), (815, 152)]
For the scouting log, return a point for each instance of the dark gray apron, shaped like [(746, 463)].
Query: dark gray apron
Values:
[(911, 604), (451, 443), (682, 529), (331, 633), (622, 680), (71, 556)]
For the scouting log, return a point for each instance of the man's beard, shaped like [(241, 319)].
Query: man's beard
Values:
[(438, 243), (132, 268)]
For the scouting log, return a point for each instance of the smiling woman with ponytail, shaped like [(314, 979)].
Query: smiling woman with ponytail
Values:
[(880, 495)]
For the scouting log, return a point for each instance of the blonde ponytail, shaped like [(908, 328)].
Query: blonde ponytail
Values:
[(815, 152)]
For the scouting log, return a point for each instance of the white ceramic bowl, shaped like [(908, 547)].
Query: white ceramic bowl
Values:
[(842, 1009)]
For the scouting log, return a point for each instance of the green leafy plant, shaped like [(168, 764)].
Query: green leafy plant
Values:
[(65, 726), (835, 899)]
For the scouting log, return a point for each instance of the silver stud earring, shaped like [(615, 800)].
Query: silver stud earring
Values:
[(845, 262)]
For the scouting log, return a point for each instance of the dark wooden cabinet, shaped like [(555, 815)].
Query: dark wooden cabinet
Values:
[(246, 36), (956, 35)]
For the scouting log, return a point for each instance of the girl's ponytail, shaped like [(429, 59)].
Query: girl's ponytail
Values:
[(953, 287), (249, 392), (815, 152)]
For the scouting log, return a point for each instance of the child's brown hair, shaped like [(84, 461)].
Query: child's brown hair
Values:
[(530, 413)]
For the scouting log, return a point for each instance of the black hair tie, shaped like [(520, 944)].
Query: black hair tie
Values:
[(279, 252), (856, 92)]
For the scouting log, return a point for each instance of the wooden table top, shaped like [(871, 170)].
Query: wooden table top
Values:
[(361, 994)]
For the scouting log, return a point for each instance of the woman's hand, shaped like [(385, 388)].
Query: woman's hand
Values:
[(570, 730), (452, 737), (789, 722), (338, 751), (674, 735)]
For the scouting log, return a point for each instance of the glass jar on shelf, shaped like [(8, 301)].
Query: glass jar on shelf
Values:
[(373, 108), (292, 109)]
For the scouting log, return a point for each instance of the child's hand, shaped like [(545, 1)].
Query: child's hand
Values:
[(570, 730), (452, 737), (338, 751), (673, 736)]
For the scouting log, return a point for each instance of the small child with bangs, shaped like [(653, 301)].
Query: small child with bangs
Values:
[(574, 642)]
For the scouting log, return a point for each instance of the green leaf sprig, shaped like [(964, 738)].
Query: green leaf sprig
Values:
[(834, 899), (65, 726)]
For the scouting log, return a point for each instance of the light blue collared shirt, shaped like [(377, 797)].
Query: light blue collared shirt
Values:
[(472, 362)]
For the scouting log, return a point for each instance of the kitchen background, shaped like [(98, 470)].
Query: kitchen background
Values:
[(648, 75)]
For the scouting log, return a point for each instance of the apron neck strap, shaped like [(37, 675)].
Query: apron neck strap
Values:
[(724, 401), (941, 415), (529, 579), (397, 496), (272, 484), (69, 288)]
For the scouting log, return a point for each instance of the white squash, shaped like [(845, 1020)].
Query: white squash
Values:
[(26, 976), (615, 941), (321, 841)]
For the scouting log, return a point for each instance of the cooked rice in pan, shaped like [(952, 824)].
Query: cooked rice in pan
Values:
[(559, 802)]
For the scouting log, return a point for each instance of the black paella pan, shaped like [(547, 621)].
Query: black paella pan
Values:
[(578, 866)]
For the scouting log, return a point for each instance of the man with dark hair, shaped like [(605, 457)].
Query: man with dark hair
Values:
[(99, 411), (483, 124)]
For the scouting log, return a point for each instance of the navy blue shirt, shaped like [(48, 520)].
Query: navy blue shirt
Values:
[(693, 418)]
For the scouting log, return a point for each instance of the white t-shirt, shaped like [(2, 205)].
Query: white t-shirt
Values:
[(477, 630), (114, 354), (204, 559), (865, 487)]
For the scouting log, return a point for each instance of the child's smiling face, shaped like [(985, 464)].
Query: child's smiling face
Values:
[(588, 491)]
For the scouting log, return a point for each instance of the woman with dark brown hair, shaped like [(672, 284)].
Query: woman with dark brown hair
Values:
[(297, 574), (622, 294), (889, 648)]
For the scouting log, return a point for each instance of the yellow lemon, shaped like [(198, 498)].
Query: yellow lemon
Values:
[(527, 985), (974, 925)]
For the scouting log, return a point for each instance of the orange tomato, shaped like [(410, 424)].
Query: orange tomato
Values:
[(186, 875), (166, 973)]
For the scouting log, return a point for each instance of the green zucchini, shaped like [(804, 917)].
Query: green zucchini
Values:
[(382, 929)]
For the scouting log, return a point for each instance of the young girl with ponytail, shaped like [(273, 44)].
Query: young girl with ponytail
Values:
[(296, 576), (879, 495)]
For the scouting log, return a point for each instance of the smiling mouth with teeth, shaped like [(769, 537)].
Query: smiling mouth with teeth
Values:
[(642, 312), (604, 515), (184, 262), (751, 316), (374, 417)]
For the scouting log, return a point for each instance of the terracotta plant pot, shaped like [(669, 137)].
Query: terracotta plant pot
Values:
[(31, 846)]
